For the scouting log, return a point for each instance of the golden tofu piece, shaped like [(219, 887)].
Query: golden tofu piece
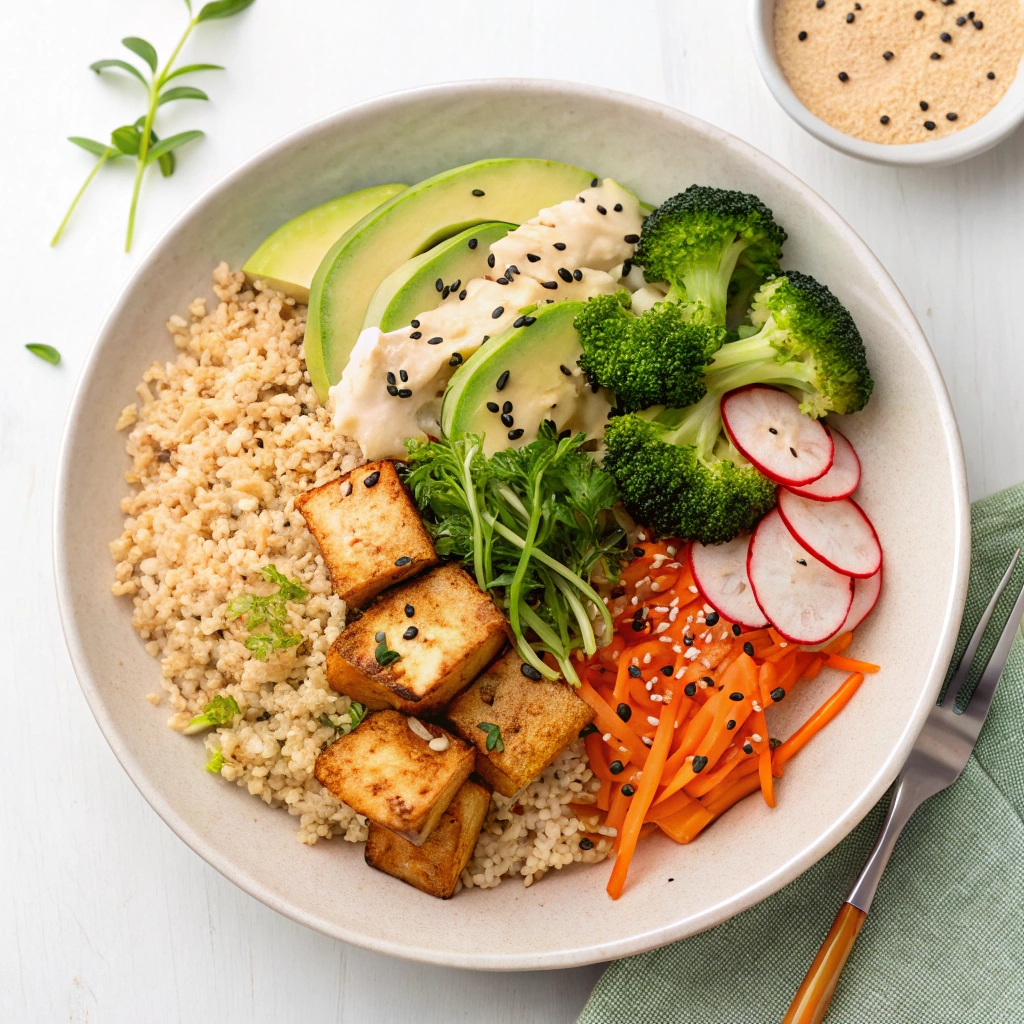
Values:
[(384, 770), (435, 866), (453, 632), (370, 533), (538, 720)]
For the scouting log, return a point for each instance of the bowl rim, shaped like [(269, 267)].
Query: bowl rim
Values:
[(641, 941), (988, 131)]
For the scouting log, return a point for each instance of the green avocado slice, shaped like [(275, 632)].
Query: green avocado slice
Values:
[(507, 189), (534, 369), (413, 287), (288, 258)]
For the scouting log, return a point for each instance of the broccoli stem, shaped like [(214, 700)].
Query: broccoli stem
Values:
[(709, 282)]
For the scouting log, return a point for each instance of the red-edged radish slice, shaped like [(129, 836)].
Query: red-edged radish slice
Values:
[(806, 601), (720, 572), (771, 432), (835, 532), (841, 480), (865, 597)]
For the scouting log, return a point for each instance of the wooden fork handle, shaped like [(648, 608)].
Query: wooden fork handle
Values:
[(811, 1002)]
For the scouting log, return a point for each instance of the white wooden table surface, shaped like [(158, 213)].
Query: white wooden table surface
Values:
[(105, 916)]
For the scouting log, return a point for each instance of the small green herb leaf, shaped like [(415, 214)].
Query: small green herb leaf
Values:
[(187, 69), (383, 654), (45, 352), (91, 146), (356, 712), (127, 139), (181, 92), (166, 145), (493, 741), (166, 164), (220, 711), (145, 50), (223, 9), (270, 610), (216, 762), (102, 65)]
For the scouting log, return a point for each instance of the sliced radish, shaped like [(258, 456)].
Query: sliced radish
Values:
[(720, 572), (770, 431), (865, 597), (806, 601), (843, 477), (835, 532)]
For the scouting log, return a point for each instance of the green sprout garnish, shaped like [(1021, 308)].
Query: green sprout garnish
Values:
[(494, 741), (356, 713), (220, 711), (384, 655), (270, 611), (216, 762)]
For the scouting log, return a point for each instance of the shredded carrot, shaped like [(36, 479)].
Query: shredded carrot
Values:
[(815, 723), (764, 770), (814, 668), (684, 825), (849, 665), (839, 644), (736, 792), (608, 722)]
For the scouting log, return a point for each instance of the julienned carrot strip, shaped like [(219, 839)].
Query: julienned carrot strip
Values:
[(707, 781), (620, 802), (839, 644), (764, 771), (733, 795), (767, 680), (816, 722), (849, 665), (599, 766), (814, 668), (748, 766), (676, 802), (686, 824), (622, 674), (639, 694), (609, 722), (641, 801)]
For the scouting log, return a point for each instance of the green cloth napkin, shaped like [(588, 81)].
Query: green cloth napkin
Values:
[(944, 941)]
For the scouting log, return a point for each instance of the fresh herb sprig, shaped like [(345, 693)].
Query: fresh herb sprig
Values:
[(356, 713), (494, 740), (220, 711), (216, 762), (139, 140), (382, 653), (271, 611), (535, 526), (45, 352)]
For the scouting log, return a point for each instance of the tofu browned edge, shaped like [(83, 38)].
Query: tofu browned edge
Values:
[(459, 630), (365, 530), (435, 866), (538, 720)]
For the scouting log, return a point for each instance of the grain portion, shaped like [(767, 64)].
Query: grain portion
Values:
[(866, 69)]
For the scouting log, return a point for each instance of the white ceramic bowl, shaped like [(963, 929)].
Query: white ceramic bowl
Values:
[(1003, 119), (914, 487)]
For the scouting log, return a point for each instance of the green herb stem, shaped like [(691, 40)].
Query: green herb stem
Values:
[(582, 619), (554, 645), (474, 511), (78, 195), (516, 590)]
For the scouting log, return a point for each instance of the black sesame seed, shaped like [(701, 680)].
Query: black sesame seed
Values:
[(434, 341), (478, 192), (564, 434), (565, 369), (772, 430), (688, 640), (492, 406), (416, 335), (507, 407), (414, 323), (850, 17), (946, 37), (404, 393), (624, 711), (666, 670), (439, 285), (748, 648), (617, 207), (577, 275), (403, 376), (884, 119), (472, 243), (530, 672), (951, 116), (532, 257), (445, 292), (961, 21), (930, 125), (560, 246), (593, 183), (638, 626), (616, 767), (736, 629), (506, 420), (628, 790), (639, 552), (486, 337), (549, 284), (627, 266), (259, 442), (712, 619), (502, 280), (588, 730), (924, 105), (410, 633), (391, 377), (409, 611), (456, 359), (462, 295), (820, 4), (991, 76), (979, 25), (502, 381), (510, 270), (936, 56), (747, 748), (970, 15), (490, 260), (802, 36), (586, 844), (601, 210), (801, 561), (529, 320), (690, 689), (736, 695), (699, 764), (731, 724), (918, 15), (564, 274), (634, 671), (514, 435), (777, 694), (843, 76), (519, 321), (454, 286), (632, 239), (497, 311), (370, 480), (887, 55), (380, 636), (392, 391), (580, 199)]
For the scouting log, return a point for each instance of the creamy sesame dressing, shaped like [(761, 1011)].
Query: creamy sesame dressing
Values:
[(392, 387)]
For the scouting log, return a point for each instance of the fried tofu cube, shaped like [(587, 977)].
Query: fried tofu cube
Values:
[(537, 720), (384, 770), (445, 630), (435, 866), (369, 531)]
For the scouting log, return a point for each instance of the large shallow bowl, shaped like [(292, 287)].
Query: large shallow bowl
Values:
[(914, 487)]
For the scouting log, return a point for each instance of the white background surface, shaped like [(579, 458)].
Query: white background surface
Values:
[(104, 914)]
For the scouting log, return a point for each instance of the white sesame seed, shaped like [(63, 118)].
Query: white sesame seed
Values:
[(671, 549), (607, 737), (647, 659), (782, 643), (681, 673), (675, 565), (673, 615), (647, 742), (439, 743), (641, 536), (649, 685), (674, 602), (661, 609), (655, 587), (657, 697), (623, 750), (419, 729), (755, 706), (635, 661), (692, 589), (691, 654), (615, 655), (661, 627), (677, 649), (665, 639), (651, 720), (705, 662), (725, 635), (633, 600), (756, 737), (702, 683)]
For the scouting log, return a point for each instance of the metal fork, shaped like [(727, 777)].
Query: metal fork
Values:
[(938, 757)]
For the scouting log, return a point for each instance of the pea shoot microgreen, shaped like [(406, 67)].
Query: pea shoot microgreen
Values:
[(356, 713), (271, 611), (384, 655), (45, 352), (493, 741), (139, 140), (220, 711)]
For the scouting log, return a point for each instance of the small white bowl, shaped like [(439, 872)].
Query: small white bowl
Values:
[(1002, 120)]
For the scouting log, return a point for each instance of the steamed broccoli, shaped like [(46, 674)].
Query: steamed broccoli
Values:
[(654, 359), (807, 341), (712, 246)]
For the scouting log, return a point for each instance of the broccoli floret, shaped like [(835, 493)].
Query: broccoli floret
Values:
[(807, 340), (711, 245), (686, 480), (654, 359)]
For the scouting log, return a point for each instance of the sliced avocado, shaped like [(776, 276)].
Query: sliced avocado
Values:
[(287, 259), (526, 374), (489, 190), (413, 287)]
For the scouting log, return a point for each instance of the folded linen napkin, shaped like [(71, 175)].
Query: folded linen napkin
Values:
[(944, 942)]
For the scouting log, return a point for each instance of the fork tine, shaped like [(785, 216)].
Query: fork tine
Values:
[(981, 699), (964, 667)]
